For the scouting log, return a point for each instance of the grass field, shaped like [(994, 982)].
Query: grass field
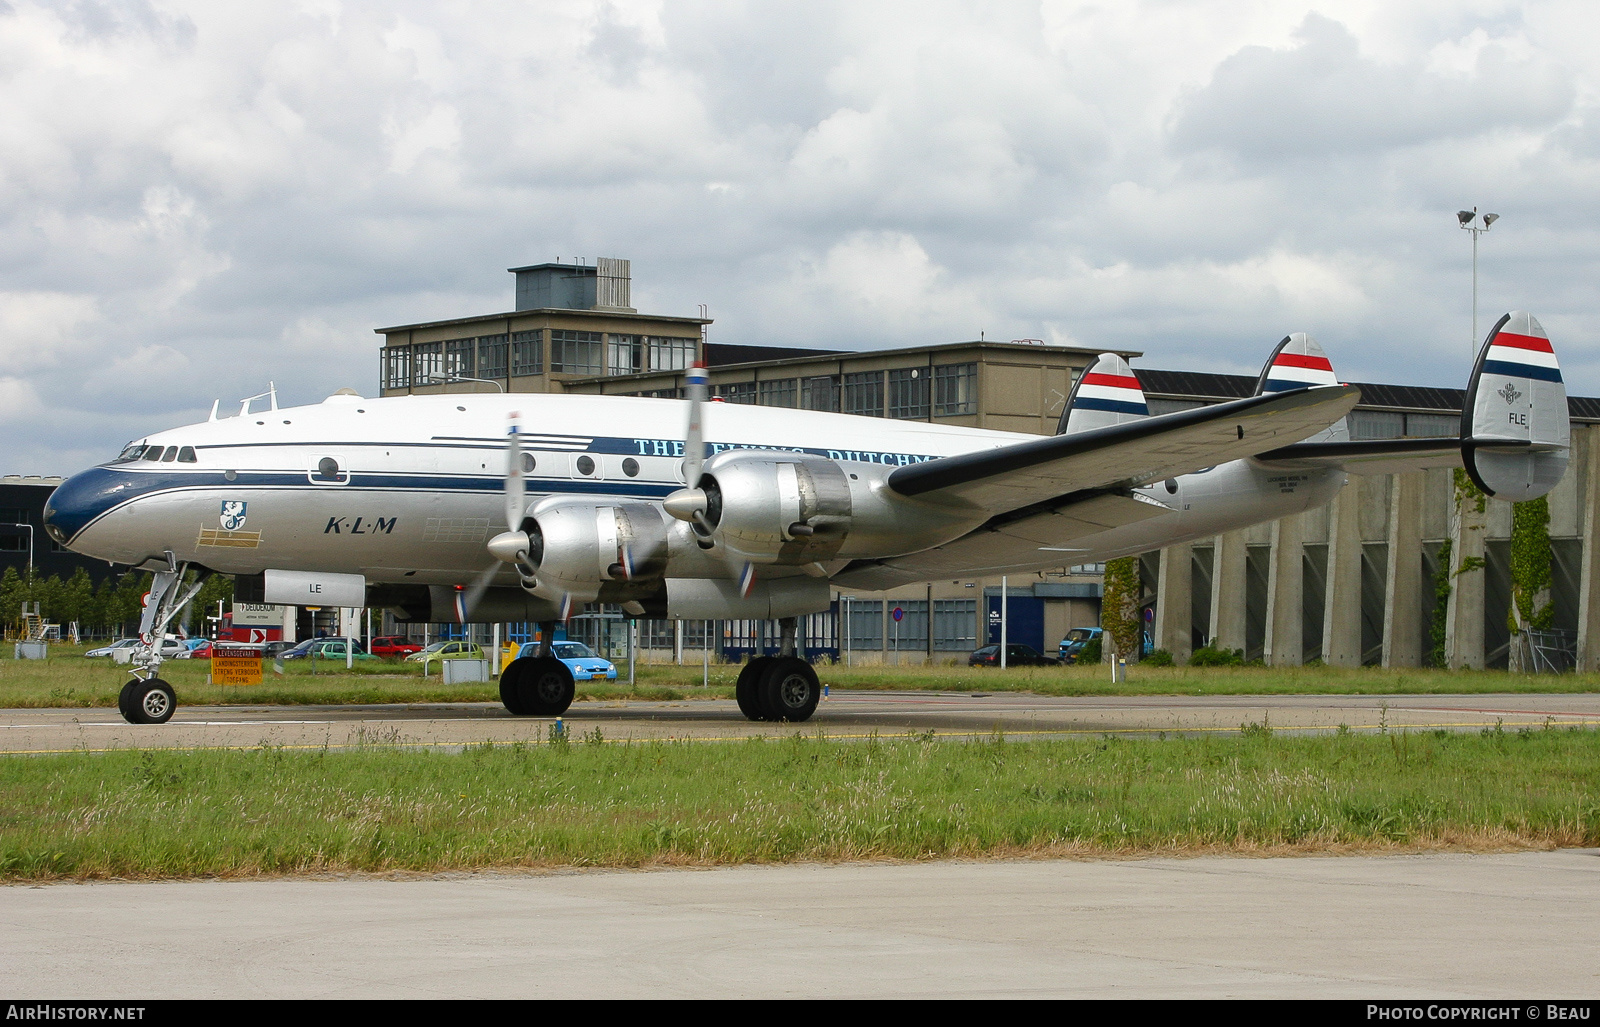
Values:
[(585, 802), (68, 679)]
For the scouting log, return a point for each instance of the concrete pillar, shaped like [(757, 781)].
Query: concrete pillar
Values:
[(1175, 602), (1589, 569), (1227, 591), (1402, 612), (1463, 619), (1341, 604), (1285, 641)]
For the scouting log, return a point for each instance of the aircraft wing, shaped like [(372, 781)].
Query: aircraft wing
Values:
[(1136, 453), (1375, 456), (1013, 541)]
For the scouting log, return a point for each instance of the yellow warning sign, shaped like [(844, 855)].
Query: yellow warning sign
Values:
[(235, 666)]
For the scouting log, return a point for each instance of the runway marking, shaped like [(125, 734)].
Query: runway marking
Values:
[(951, 736)]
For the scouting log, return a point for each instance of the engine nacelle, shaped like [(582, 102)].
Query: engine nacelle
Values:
[(581, 548), (797, 508)]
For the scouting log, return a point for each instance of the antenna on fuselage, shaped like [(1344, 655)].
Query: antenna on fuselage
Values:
[(214, 404)]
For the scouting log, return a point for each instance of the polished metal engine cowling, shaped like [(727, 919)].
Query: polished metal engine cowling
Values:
[(795, 508), (589, 550)]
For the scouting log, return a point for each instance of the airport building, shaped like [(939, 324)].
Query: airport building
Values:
[(1350, 584), (23, 542)]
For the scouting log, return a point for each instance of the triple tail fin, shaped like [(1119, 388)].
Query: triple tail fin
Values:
[(1298, 362), (1106, 394), (1516, 434)]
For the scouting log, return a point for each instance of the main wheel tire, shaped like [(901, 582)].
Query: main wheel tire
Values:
[(789, 690), (154, 702), (548, 689), (512, 682), (125, 704), (747, 691)]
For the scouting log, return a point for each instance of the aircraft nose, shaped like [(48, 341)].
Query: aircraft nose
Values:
[(79, 500)]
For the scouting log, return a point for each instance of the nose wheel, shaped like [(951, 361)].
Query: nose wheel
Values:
[(149, 701)]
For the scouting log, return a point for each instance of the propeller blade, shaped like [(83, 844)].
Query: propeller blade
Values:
[(694, 440), (516, 484), (467, 601)]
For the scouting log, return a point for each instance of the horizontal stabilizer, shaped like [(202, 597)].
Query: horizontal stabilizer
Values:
[(1374, 456)]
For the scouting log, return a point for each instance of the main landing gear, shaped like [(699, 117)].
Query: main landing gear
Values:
[(539, 685), (782, 687), (147, 699)]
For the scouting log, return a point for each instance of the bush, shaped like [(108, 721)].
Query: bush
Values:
[(1158, 658), (1090, 653), (1209, 656)]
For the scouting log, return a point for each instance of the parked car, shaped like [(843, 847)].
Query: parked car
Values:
[(324, 649), (271, 649), (1073, 644), (393, 645), (447, 650), (1017, 655), (171, 648), (585, 663)]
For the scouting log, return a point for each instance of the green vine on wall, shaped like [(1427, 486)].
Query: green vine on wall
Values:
[(1119, 610), (1530, 564), (1441, 607)]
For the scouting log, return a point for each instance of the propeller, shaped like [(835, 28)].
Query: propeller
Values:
[(692, 502), (513, 546)]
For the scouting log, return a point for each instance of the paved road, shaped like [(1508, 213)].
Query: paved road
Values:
[(843, 715), (1439, 926)]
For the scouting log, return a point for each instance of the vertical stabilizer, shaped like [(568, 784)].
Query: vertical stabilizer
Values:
[(1298, 362), (1106, 394), (1515, 431)]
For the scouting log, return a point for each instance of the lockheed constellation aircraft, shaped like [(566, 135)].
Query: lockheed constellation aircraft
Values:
[(429, 506)]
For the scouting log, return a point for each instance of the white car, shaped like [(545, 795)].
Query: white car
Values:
[(171, 648)]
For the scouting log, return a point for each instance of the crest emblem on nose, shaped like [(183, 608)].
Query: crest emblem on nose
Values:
[(232, 514)]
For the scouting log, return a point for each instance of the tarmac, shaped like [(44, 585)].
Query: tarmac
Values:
[(1522, 926), (843, 715)]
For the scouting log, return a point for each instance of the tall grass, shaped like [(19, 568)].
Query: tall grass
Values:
[(585, 802)]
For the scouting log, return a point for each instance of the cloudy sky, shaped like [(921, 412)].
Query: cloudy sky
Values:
[(196, 198)]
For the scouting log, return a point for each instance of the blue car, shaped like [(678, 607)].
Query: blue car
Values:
[(583, 662), (1073, 644)]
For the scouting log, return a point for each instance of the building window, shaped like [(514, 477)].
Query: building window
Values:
[(491, 356), (527, 353), (955, 624), (908, 392), (820, 394), (1433, 426), (670, 354), (623, 354), (738, 392), (910, 634), (458, 360), (863, 394), (13, 543), (955, 390), (397, 367), (427, 360), (1376, 424), (663, 393), (779, 392), (577, 352), (864, 623)]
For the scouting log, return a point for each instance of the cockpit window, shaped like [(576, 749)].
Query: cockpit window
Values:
[(186, 455), (132, 451), (152, 452), (170, 455)]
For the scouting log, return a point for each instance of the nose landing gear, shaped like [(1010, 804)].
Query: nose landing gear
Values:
[(147, 699)]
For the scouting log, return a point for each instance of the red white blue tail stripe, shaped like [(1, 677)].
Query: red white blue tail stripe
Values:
[(1521, 349), (1297, 363), (1107, 393)]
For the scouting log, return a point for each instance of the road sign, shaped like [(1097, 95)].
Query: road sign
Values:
[(898, 613), (235, 666)]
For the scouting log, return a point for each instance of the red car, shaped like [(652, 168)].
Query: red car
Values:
[(393, 645)]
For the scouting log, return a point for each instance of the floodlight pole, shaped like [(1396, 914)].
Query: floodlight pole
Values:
[(1471, 222), (30, 545)]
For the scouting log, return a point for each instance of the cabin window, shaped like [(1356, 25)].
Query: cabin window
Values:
[(630, 467), (328, 467), (585, 465), (170, 455), (528, 463)]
